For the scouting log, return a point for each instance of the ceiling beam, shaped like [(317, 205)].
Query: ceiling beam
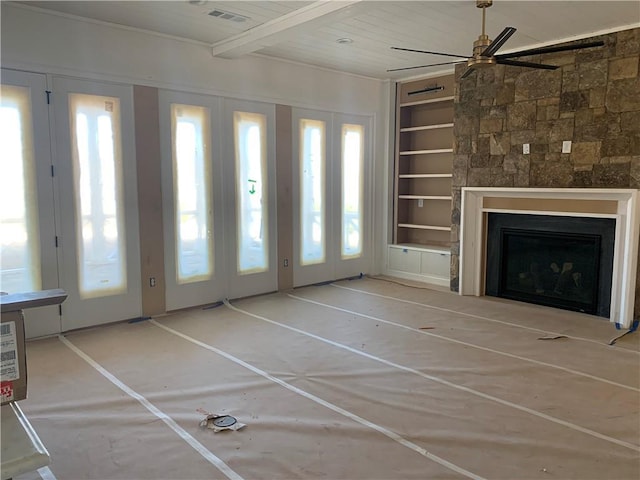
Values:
[(278, 29)]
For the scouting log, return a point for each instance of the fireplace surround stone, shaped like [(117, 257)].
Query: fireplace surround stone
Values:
[(592, 100)]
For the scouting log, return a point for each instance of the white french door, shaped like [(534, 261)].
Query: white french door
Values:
[(313, 228), (250, 198), (192, 199), (352, 177), (27, 222), (96, 171), (331, 213)]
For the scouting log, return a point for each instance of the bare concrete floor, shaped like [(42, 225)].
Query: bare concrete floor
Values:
[(365, 379)]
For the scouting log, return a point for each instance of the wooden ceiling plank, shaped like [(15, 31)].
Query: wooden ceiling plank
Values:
[(273, 31)]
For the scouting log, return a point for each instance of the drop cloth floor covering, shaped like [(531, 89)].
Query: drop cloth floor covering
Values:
[(365, 379)]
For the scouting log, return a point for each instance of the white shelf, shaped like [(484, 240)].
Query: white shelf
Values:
[(425, 197), (425, 227), (424, 134), (446, 249), (426, 127), (425, 175), (423, 152), (424, 102)]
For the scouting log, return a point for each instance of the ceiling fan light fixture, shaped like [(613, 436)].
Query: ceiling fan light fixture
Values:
[(485, 50)]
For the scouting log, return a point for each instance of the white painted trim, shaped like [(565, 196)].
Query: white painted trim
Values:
[(472, 233)]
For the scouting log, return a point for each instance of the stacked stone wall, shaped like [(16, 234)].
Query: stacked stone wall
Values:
[(592, 99)]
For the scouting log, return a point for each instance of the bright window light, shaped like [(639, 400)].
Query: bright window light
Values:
[(312, 198), (192, 193), (19, 230), (352, 189)]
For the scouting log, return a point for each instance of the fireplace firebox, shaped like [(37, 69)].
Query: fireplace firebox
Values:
[(559, 261)]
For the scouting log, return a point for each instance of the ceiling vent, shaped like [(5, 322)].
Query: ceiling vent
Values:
[(234, 17)]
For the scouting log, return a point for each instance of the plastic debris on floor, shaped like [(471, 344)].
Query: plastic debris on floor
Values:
[(218, 423)]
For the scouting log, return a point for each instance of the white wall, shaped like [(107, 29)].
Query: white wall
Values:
[(35, 40)]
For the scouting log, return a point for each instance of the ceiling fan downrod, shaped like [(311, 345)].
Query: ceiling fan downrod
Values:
[(483, 41)]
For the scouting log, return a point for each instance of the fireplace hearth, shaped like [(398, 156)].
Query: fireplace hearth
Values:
[(564, 262)]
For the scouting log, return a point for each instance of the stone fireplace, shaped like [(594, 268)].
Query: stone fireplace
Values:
[(593, 101), (619, 206)]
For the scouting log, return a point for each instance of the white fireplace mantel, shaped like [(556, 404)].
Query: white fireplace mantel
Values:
[(621, 204)]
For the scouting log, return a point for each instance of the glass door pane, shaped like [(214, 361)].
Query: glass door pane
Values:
[(352, 176), (192, 199), (97, 168), (248, 144), (192, 193), (28, 249), (98, 216), (251, 192), (312, 188), (352, 190), (20, 269), (313, 209)]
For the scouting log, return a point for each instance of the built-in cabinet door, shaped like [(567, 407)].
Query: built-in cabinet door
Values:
[(249, 177), (96, 171), (331, 213), (190, 141), (27, 221)]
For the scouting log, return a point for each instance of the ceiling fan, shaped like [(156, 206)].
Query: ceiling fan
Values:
[(484, 50)]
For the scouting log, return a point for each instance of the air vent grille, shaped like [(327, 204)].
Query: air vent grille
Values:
[(234, 17)]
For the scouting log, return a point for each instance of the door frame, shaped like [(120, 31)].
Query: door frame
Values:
[(76, 311), (41, 321), (244, 285)]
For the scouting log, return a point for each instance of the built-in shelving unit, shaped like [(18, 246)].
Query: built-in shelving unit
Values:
[(424, 158), (423, 174)]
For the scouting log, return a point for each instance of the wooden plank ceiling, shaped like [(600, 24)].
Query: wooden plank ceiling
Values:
[(308, 32)]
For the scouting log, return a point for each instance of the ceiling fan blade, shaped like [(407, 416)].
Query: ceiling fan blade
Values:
[(498, 42), (536, 51), (431, 53), (467, 72), (423, 66), (516, 63)]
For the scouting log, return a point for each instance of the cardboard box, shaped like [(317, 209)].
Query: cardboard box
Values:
[(13, 359), (13, 356)]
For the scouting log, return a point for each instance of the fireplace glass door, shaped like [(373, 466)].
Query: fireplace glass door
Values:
[(559, 261), (551, 269)]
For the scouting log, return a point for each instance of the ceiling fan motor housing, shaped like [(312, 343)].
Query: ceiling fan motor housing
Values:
[(479, 46)]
